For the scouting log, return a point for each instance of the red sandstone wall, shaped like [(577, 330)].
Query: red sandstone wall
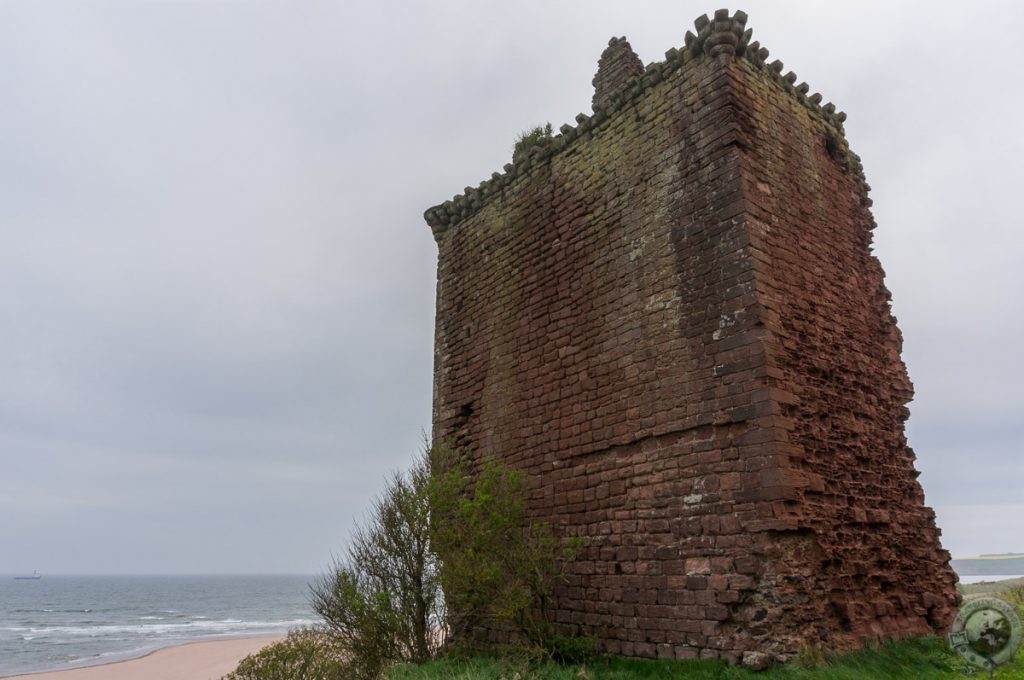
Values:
[(671, 320), (576, 339), (878, 568)]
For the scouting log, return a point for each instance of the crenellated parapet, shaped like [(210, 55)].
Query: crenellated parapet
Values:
[(621, 79), (722, 35), (617, 66)]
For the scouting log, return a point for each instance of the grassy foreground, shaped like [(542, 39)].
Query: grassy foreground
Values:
[(914, 659), (314, 654), (1006, 589)]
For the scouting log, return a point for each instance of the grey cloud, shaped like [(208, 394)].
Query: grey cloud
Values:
[(216, 330)]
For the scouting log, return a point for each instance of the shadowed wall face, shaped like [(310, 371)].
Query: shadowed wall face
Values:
[(670, 318)]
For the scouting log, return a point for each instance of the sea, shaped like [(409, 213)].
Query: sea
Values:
[(987, 578), (60, 622)]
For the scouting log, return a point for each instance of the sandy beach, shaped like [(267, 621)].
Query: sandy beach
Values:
[(207, 660)]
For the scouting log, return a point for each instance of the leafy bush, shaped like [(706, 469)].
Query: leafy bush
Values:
[(383, 600), (1014, 595), (495, 567), (307, 654), (570, 650), (445, 548)]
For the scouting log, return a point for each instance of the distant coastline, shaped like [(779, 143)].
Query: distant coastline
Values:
[(1009, 564)]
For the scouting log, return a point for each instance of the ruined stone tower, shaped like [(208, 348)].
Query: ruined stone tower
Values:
[(669, 316)]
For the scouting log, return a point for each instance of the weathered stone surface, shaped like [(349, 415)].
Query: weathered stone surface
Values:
[(756, 661), (673, 322), (618, 64)]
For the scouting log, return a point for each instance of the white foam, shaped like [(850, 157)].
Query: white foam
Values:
[(189, 629)]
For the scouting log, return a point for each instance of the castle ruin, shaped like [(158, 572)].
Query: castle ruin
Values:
[(670, 317)]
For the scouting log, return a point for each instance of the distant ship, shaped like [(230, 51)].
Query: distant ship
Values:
[(34, 577)]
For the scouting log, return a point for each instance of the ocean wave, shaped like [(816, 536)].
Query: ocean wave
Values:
[(85, 620), (189, 629), (123, 653), (55, 611)]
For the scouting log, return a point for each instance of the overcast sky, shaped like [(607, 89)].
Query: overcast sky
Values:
[(217, 310)]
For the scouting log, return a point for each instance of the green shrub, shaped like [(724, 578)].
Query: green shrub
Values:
[(571, 649), (495, 567), (307, 654), (445, 548), (383, 600), (1014, 595)]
